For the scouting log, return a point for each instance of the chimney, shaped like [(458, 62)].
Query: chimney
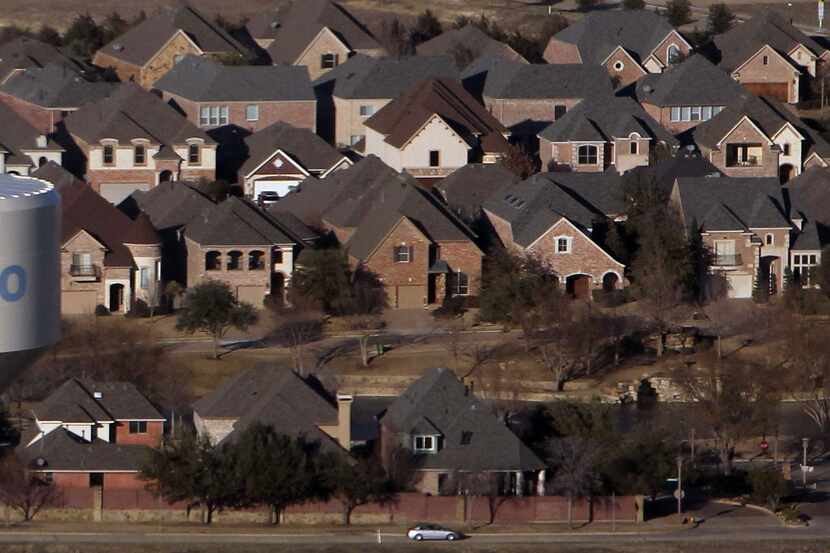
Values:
[(344, 420)]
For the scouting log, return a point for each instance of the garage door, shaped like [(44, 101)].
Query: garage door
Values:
[(79, 302), (117, 192), (251, 294), (411, 297), (740, 286), (778, 91), (281, 187)]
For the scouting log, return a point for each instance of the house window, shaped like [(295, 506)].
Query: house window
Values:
[(786, 149), (675, 114), (328, 61), (706, 113), (96, 479), (803, 267), (466, 437), (234, 260), (213, 116), (563, 244), (769, 240), (256, 260), (619, 66), (434, 158), (109, 154), (277, 255), (82, 264), (424, 444), (139, 155), (213, 261), (462, 284), (673, 54), (402, 254), (367, 111), (194, 154), (695, 113), (587, 155), (144, 277), (138, 427), (765, 60), (633, 147), (559, 112), (686, 113), (252, 112)]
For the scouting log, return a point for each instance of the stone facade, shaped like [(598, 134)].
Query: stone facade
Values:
[(564, 155)]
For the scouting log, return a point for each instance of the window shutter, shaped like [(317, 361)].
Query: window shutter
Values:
[(394, 253), (411, 253)]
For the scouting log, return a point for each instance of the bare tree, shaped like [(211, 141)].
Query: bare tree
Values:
[(574, 460), (365, 326), (728, 318), (25, 492), (805, 353), (295, 331)]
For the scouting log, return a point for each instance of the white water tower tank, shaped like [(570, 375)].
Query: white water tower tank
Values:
[(30, 287)]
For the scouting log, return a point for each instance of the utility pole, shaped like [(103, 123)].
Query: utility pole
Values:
[(804, 443), (679, 492), (692, 445)]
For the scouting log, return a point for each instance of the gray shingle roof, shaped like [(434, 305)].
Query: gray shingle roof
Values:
[(203, 80), (466, 189), (809, 194), (55, 86), (23, 52), (17, 137), (469, 37), (506, 80), (600, 32), (694, 82), (473, 438), (64, 451), (74, 401), (171, 205), (236, 222), (305, 147)]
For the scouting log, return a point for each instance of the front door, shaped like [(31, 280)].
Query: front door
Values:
[(116, 297)]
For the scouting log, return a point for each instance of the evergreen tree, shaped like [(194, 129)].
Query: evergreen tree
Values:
[(49, 35), (760, 287), (678, 12), (695, 282), (719, 19), (427, 26), (83, 36)]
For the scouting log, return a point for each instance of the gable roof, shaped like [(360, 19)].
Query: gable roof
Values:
[(169, 205), (506, 80), (400, 119), (74, 401), (599, 33), (471, 38), (467, 188), (237, 222), (695, 81), (201, 79), (364, 77), (473, 438), (129, 113), (24, 52), (61, 450), (139, 44), (305, 147), (297, 26), (55, 86), (17, 137)]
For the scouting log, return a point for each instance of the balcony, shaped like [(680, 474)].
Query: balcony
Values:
[(728, 260), (744, 155), (84, 273)]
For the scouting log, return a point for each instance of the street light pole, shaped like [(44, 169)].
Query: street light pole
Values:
[(679, 493), (804, 442)]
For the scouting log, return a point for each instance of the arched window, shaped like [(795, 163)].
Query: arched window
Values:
[(633, 145), (256, 260), (234, 260), (213, 261), (587, 155), (673, 53)]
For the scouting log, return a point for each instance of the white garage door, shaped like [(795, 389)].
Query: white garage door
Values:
[(281, 187), (117, 192), (81, 302), (740, 286)]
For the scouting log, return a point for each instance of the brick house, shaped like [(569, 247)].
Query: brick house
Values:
[(106, 258), (281, 156), (553, 216), (602, 133), (467, 44), (630, 44), (526, 98), (760, 137), (348, 95), (150, 49), (449, 433), (23, 52), (132, 141), (43, 96), (687, 94), (433, 129), (319, 34), (23, 148), (743, 222), (93, 435), (769, 56), (250, 97), (809, 196)]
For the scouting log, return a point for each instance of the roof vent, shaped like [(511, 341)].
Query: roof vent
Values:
[(97, 395), (118, 47), (275, 23)]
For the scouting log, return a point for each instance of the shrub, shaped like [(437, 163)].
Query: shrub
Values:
[(452, 308), (102, 311), (769, 487), (140, 310)]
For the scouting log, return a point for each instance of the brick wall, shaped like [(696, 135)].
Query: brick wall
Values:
[(561, 52), (125, 71), (151, 438), (236, 279), (347, 118), (512, 112), (97, 177), (466, 257), (630, 72), (44, 120), (402, 274), (83, 243), (661, 51), (777, 70), (745, 133)]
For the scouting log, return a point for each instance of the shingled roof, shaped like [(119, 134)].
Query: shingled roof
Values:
[(473, 439), (141, 43), (61, 450), (237, 222), (303, 146), (693, 82), (203, 80), (466, 189), (24, 52), (75, 401), (471, 39), (297, 26), (17, 137), (55, 86), (170, 205), (505, 80)]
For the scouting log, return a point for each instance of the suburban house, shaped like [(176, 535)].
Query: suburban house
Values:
[(23, 52), (604, 132), (319, 34), (23, 148), (132, 141), (451, 436), (281, 156), (526, 98), (93, 435), (250, 97), (466, 190), (630, 44), (467, 44), (433, 129), (106, 258), (687, 94), (809, 196), (760, 137), (743, 222), (43, 96), (769, 56), (150, 49), (277, 397), (554, 216), (348, 95)]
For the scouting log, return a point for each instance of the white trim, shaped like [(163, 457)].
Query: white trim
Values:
[(422, 127), (791, 127), (814, 154), (578, 230), (315, 39), (754, 126), (677, 35), (789, 63), (334, 167), (169, 40), (286, 155), (569, 249), (624, 51)]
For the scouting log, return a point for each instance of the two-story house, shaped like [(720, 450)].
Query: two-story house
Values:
[(348, 95), (132, 140), (687, 94), (809, 197), (604, 132), (743, 222), (630, 44), (467, 44), (433, 129), (319, 34), (250, 97), (279, 157), (760, 137), (23, 148), (769, 56), (553, 216), (23, 52), (150, 49), (106, 258), (93, 435), (451, 435)]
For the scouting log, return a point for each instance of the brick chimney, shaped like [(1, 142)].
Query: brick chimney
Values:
[(344, 420)]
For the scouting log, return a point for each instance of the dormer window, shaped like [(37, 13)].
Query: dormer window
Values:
[(328, 61), (140, 155), (673, 54), (769, 240), (109, 154), (425, 444), (193, 154), (564, 244)]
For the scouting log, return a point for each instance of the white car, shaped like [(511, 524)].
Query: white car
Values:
[(422, 532)]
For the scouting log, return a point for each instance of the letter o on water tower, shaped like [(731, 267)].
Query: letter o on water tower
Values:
[(13, 283)]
